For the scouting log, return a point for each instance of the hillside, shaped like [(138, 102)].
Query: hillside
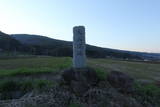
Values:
[(47, 46), (41, 45), (8, 43), (38, 40)]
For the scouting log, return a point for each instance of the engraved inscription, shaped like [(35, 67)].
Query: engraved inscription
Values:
[(79, 57)]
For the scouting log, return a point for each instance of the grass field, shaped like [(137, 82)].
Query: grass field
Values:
[(39, 74), (33, 65), (139, 70)]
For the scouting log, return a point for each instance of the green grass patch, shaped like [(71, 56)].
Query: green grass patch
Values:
[(74, 105), (12, 67), (8, 87), (40, 84), (35, 65), (147, 93), (36, 62), (26, 71), (101, 74)]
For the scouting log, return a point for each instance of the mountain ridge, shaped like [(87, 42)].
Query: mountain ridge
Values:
[(8, 43), (144, 55), (93, 51), (15, 36), (42, 45)]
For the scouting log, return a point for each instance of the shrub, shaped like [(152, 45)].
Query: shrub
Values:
[(15, 89), (101, 74), (8, 85), (26, 86), (40, 84), (147, 93), (74, 105)]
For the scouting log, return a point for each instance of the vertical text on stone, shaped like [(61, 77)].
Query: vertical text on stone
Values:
[(79, 47)]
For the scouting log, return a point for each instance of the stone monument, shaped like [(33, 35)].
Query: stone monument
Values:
[(79, 78), (79, 47)]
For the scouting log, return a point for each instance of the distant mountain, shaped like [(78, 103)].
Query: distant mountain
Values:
[(8, 43), (38, 40), (148, 56), (49, 46), (41, 45)]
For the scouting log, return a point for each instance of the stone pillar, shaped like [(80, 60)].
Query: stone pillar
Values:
[(79, 47)]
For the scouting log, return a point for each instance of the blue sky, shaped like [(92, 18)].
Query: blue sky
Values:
[(119, 24)]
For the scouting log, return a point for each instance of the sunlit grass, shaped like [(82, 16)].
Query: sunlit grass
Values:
[(11, 67), (34, 65), (37, 62)]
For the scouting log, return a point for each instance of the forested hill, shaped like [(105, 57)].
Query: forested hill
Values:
[(38, 40), (8, 43), (44, 45), (41, 45)]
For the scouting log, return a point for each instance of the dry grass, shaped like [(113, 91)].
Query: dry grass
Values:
[(139, 70)]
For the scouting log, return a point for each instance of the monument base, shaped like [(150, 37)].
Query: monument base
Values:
[(80, 80)]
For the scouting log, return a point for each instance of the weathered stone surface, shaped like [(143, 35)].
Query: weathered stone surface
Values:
[(121, 81), (80, 80), (79, 47)]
